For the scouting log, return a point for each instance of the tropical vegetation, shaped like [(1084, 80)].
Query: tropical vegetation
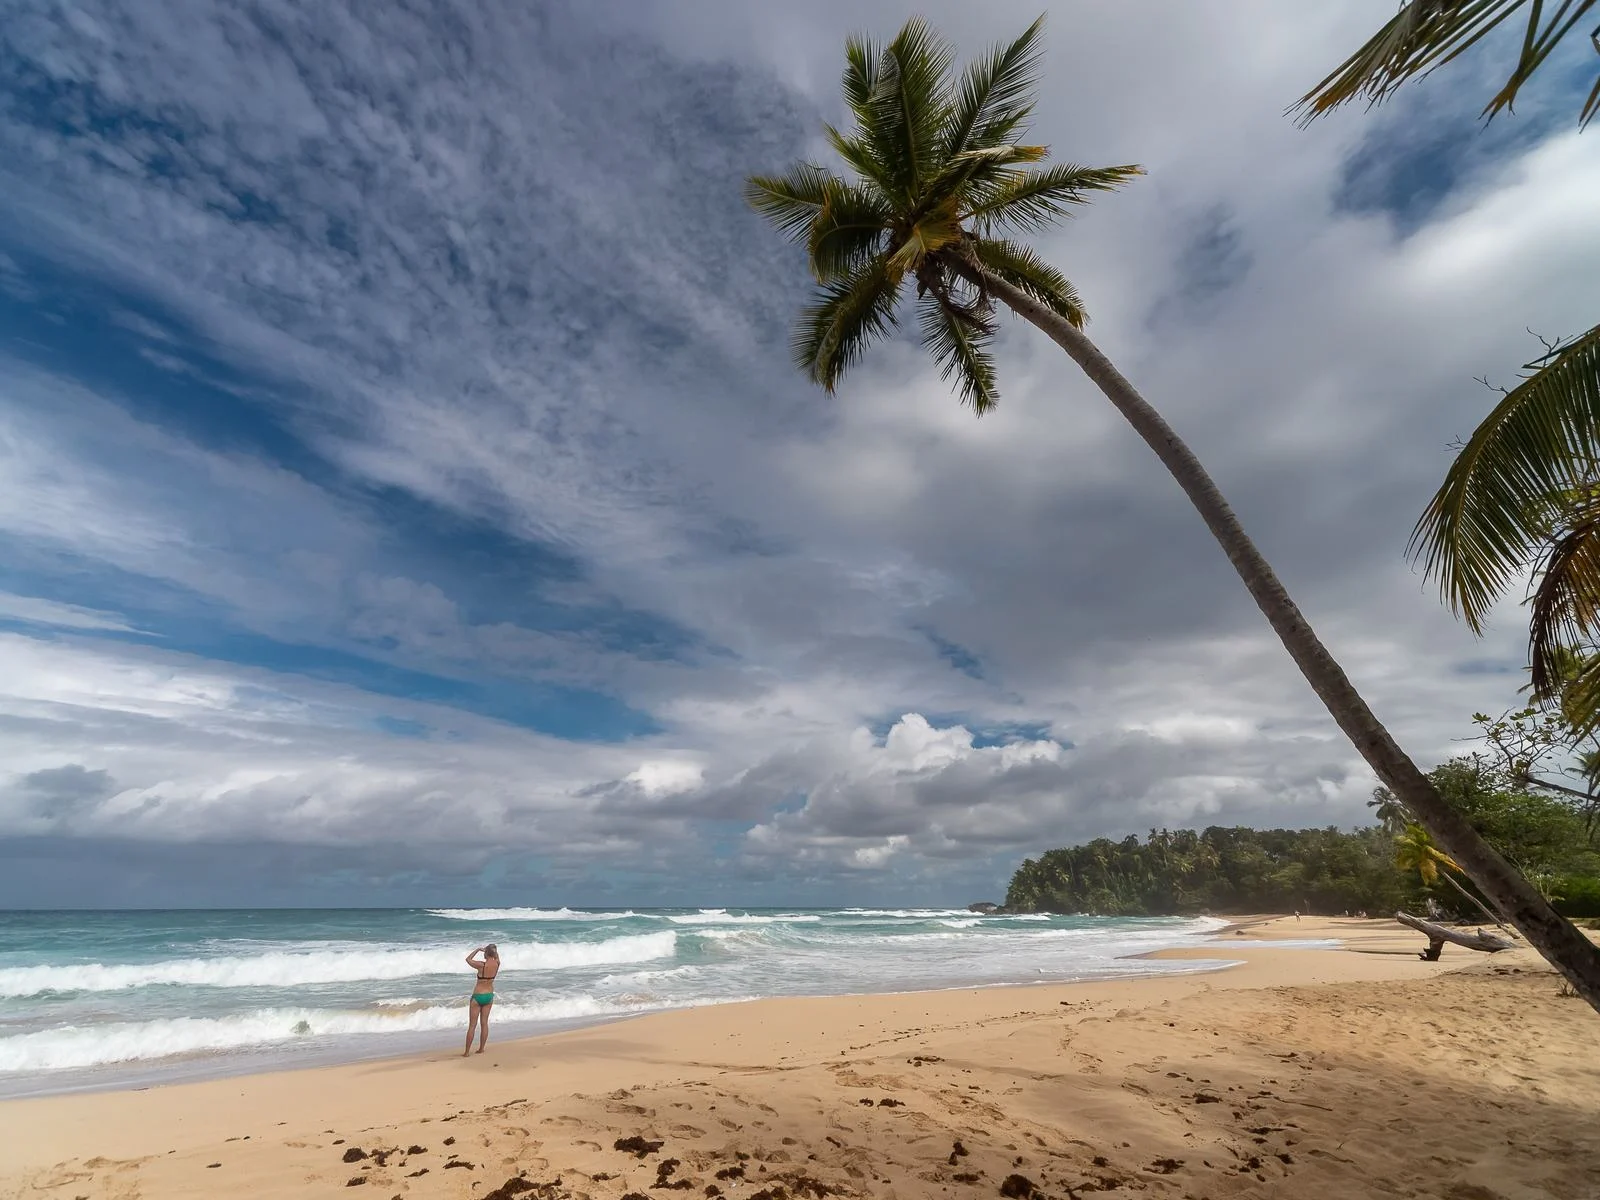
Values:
[(1427, 34), (939, 182), (1524, 491), (1218, 870), (1376, 869)]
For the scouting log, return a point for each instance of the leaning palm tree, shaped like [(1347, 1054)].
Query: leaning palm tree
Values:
[(938, 179), (1414, 850)]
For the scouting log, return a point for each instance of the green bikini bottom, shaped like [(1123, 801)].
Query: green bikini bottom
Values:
[(484, 998)]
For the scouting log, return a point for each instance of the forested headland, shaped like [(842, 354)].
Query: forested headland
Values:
[(1389, 865)]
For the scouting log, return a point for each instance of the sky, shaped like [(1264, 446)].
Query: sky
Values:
[(406, 496)]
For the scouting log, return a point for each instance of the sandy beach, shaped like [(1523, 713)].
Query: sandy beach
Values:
[(1352, 1072)]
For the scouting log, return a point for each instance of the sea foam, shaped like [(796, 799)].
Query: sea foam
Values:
[(526, 914), (356, 964), (721, 916), (99, 1045)]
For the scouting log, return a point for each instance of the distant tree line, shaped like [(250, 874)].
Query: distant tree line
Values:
[(1376, 869), (1220, 870)]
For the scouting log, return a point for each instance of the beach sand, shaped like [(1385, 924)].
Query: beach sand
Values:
[(1306, 1073)]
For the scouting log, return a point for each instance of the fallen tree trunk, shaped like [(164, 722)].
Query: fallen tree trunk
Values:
[(1438, 935)]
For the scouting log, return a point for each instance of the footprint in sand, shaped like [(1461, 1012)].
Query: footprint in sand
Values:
[(66, 1177)]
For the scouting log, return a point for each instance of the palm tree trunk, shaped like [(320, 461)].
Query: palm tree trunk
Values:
[(1572, 954)]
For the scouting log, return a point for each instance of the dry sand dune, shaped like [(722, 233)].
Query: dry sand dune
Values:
[(1302, 1073)]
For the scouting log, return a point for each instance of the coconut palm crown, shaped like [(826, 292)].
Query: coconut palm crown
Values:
[(1414, 851), (1525, 492), (939, 175), (1525, 489)]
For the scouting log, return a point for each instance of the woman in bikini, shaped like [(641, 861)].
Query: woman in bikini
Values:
[(486, 962)]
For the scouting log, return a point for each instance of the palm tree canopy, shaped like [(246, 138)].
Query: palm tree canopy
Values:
[(1525, 492), (1391, 814), (1414, 851), (1426, 34), (939, 178), (1525, 489)]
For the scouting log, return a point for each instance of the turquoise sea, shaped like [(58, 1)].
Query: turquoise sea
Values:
[(118, 999)]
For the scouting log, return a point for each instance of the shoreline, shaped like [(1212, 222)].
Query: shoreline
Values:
[(154, 1076), (158, 1075), (1315, 1071), (340, 1050)]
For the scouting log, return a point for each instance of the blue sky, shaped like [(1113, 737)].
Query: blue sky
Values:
[(406, 497)]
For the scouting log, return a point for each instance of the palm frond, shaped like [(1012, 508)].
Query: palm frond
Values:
[(929, 235), (865, 157), (995, 92), (860, 84), (979, 171), (1500, 499), (909, 107), (1565, 666), (791, 201), (1564, 604), (1580, 698), (956, 336), (871, 149), (848, 228), (1426, 34), (1021, 267), (849, 314), (1035, 200)]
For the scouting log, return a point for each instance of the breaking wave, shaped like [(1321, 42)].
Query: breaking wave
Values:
[(100, 1045), (526, 914), (721, 916), (357, 964)]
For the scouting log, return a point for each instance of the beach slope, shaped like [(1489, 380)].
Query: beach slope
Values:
[(1356, 1072)]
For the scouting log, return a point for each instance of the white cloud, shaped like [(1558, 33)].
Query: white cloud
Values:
[(36, 611), (664, 777), (498, 320)]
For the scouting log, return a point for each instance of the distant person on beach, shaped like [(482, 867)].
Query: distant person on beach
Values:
[(486, 962)]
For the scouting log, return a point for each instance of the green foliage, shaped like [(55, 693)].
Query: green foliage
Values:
[(1219, 870), (1426, 34), (1375, 869), (1522, 491), (1578, 896), (1414, 851), (1540, 834), (1529, 745), (938, 169)]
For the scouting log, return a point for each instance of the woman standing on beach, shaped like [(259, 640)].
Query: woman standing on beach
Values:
[(486, 962)]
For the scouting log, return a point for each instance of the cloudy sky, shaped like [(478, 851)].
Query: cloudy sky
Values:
[(406, 497)]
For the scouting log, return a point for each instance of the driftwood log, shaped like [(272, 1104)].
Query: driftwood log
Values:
[(1438, 935)]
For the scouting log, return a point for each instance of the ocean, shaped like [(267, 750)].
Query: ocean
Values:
[(125, 999)]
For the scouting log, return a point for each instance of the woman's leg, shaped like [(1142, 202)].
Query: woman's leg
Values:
[(472, 1024), (483, 1025)]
